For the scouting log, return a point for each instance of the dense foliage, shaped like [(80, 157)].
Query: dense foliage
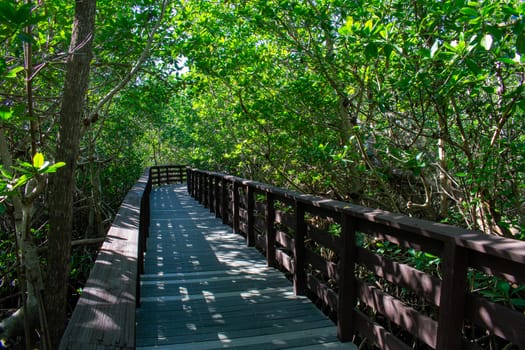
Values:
[(414, 107)]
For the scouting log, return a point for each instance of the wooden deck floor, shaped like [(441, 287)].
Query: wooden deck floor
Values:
[(204, 289)]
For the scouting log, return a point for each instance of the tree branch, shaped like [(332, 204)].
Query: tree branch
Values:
[(135, 68)]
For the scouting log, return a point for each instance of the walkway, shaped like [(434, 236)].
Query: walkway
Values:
[(204, 289)]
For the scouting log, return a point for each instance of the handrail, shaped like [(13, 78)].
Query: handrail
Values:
[(291, 228), (167, 174), (104, 317)]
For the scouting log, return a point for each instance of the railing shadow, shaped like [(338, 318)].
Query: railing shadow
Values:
[(335, 251)]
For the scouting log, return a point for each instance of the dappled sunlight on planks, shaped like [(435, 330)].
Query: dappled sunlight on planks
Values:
[(212, 291)]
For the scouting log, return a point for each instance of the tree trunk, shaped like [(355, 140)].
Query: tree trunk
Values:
[(62, 185)]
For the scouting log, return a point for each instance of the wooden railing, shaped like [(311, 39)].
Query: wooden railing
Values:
[(354, 260), (168, 174), (104, 317)]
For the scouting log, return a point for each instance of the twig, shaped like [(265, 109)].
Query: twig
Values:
[(87, 241)]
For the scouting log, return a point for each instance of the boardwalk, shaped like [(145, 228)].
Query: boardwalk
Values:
[(204, 289)]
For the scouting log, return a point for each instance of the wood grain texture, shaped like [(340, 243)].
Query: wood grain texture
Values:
[(104, 317)]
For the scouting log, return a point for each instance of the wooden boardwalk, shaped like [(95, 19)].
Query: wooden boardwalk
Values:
[(204, 289)]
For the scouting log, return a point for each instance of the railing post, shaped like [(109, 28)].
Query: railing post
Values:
[(299, 277), (236, 204), (144, 222), (216, 195), (250, 235), (191, 175), (209, 203), (205, 187), (347, 298), (201, 187), (270, 229), (153, 175), (211, 192), (189, 182), (224, 200), (452, 301)]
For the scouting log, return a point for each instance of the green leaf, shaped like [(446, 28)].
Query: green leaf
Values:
[(347, 29), (38, 160), (3, 66), (13, 72), (473, 66), (434, 48), (518, 302), (53, 168), (468, 11), (486, 41), (26, 165), (503, 286), (5, 173), (6, 115), (25, 37), (22, 180), (7, 10), (506, 60), (388, 49), (44, 168), (509, 10), (520, 44), (371, 51)]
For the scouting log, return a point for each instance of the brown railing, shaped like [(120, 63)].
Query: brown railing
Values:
[(104, 317), (167, 174), (386, 277)]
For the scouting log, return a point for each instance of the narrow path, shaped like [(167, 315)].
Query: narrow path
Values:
[(204, 289)]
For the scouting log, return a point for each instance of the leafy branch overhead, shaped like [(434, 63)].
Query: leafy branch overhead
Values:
[(414, 107)]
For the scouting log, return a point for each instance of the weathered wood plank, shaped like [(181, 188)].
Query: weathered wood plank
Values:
[(105, 314)]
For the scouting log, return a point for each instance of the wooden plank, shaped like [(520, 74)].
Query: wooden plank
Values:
[(377, 334), (250, 234), (453, 298), (104, 316), (284, 260), (299, 277), (347, 294), (270, 230), (329, 269), (322, 291), (295, 338), (498, 319), (236, 204), (284, 239), (400, 237), (286, 219), (402, 275), (512, 271), (325, 238), (421, 326)]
